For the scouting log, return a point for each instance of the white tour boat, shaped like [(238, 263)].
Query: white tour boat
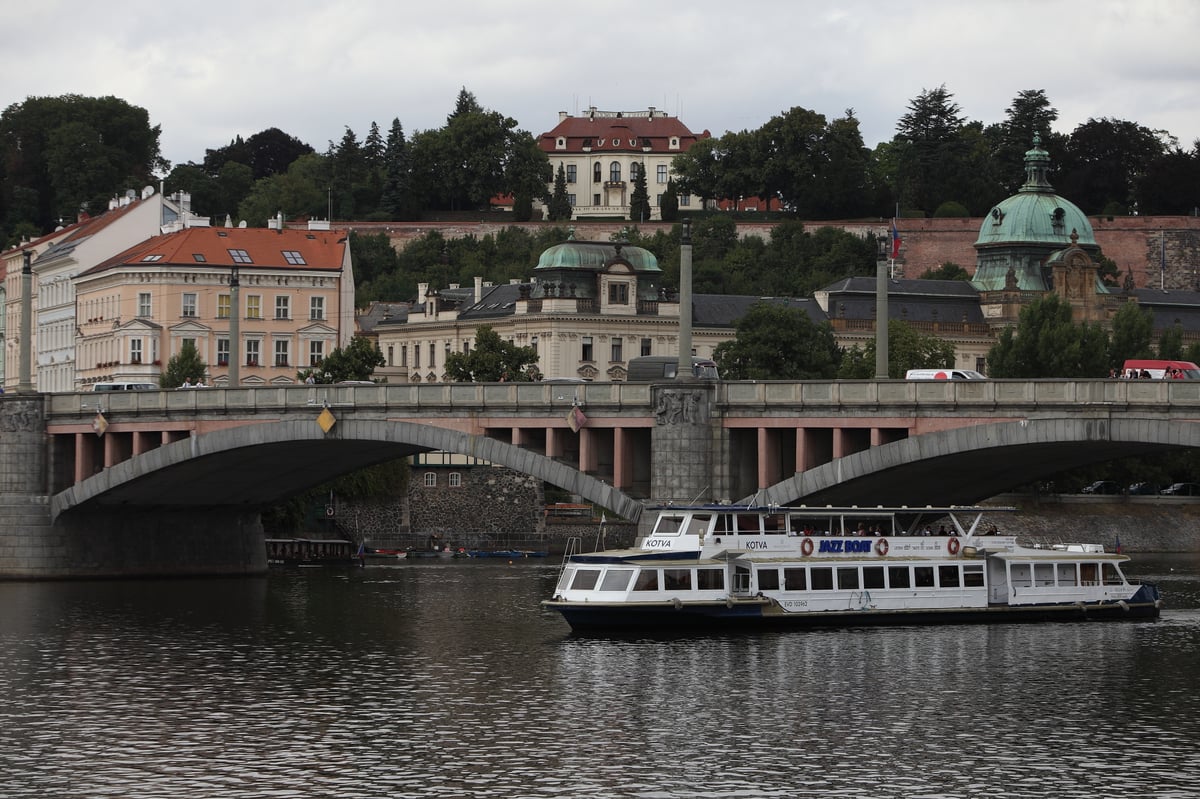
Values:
[(735, 567)]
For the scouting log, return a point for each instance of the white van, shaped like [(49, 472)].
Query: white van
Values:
[(124, 386), (943, 374)]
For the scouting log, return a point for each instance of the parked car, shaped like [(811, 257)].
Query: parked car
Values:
[(1142, 489), (1182, 490), (1102, 487)]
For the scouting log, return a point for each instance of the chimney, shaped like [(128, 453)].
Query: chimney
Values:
[(478, 288)]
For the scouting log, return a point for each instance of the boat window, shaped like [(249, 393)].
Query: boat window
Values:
[(1066, 574), (677, 579), (741, 579), (616, 580), (647, 580), (821, 578), (795, 579), (898, 577), (710, 579), (923, 576), (699, 524), (585, 579), (948, 576), (747, 524), (847, 577), (1087, 573), (774, 523), (722, 525), (973, 575), (872, 577), (809, 525), (768, 579), (668, 525), (1043, 574), (565, 580), (1112, 574), (1020, 575)]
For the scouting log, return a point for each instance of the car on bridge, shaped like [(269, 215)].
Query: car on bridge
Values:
[(1143, 489), (1182, 490), (1102, 487)]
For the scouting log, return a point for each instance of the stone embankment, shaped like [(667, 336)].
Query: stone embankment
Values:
[(1142, 524)]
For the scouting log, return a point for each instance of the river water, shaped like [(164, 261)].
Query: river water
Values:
[(445, 679)]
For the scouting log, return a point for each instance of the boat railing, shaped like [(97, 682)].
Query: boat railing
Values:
[(574, 547)]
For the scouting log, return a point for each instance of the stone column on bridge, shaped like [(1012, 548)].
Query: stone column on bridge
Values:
[(682, 444)]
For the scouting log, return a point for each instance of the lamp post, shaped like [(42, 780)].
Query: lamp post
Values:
[(25, 376), (683, 369), (235, 344), (881, 319)]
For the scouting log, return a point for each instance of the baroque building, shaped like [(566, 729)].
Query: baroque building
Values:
[(601, 152), (295, 304), (587, 310)]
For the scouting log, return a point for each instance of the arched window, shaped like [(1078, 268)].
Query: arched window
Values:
[(596, 172), (633, 170), (614, 172)]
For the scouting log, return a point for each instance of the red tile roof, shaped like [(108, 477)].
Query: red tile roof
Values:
[(265, 248), (619, 134)]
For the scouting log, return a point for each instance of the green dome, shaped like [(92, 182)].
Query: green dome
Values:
[(595, 254), (1020, 233), (1035, 214)]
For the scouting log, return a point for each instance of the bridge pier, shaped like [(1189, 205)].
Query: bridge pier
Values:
[(105, 542)]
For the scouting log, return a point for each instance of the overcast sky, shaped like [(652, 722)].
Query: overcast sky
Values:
[(207, 72)]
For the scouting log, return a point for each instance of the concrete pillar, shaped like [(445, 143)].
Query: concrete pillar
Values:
[(801, 450), (622, 471)]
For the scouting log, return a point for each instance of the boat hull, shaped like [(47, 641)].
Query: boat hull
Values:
[(667, 617)]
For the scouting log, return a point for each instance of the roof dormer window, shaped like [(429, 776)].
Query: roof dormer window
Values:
[(674, 142), (560, 143)]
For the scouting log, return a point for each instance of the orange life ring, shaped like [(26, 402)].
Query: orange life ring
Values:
[(806, 547), (881, 546), (952, 546)]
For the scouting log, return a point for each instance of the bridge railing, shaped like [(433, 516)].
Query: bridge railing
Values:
[(732, 396)]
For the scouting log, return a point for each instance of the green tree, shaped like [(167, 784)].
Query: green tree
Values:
[(1104, 161), (777, 342), (1046, 343), (357, 361), (491, 360), (299, 191), (947, 271), (187, 366), (559, 208), (669, 207), (639, 199), (1170, 343), (1029, 114), (73, 153), (930, 148), (1132, 330), (396, 200), (908, 348), (697, 170), (526, 174)]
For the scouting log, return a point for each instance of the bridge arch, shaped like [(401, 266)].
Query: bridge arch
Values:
[(969, 464), (253, 465)]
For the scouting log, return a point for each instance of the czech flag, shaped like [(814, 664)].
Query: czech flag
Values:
[(895, 241)]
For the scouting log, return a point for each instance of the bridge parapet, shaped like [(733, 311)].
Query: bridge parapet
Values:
[(730, 397)]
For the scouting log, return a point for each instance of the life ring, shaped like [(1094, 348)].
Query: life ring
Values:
[(881, 547), (806, 547), (952, 546)]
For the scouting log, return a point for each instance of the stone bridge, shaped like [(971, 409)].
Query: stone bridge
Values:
[(162, 461)]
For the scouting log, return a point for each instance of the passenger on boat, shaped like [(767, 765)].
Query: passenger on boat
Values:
[(862, 529), (927, 531)]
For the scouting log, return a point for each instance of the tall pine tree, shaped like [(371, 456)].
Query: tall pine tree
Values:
[(560, 205), (639, 201)]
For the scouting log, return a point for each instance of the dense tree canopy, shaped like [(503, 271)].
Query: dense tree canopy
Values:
[(63, 155), (908, 348), (777, 342), (1047, 343), (491, 360)]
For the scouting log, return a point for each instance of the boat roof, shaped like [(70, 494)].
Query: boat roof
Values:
[(846, 509)]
